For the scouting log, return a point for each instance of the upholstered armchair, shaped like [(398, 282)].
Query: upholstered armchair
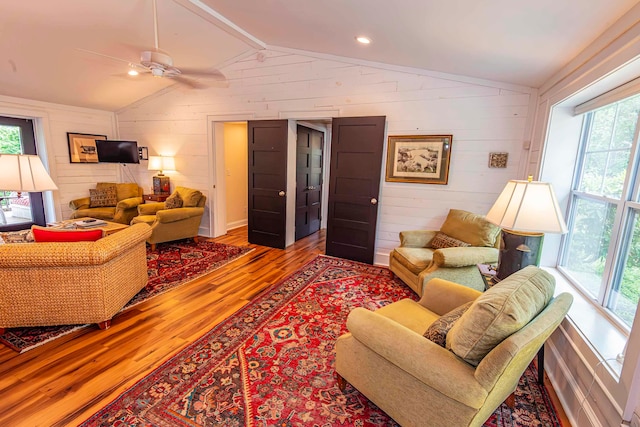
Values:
[(177, 218), (117, 202), (478, 346), (451, 253)]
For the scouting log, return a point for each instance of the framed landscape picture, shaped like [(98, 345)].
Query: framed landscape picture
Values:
[(82, 147), (419, 158)]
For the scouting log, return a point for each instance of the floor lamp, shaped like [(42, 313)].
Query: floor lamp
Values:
[(525, 210)]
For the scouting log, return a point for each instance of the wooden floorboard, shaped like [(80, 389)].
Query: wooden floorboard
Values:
[(65, 381)]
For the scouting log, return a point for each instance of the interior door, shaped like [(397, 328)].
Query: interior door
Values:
[(356, 163), (267, 154), (310, 144), (19, 211)]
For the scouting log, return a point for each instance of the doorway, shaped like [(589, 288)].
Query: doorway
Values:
[(309, 179), (19, 210)]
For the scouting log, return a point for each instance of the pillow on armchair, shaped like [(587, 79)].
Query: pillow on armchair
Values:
[(470, 228)]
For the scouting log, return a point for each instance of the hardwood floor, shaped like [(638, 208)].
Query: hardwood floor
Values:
[(65, 381)]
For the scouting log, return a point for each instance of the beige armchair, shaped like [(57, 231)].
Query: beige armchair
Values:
[(418, 382), (176, 223), (423, 254), (45, 284), (121, 210)]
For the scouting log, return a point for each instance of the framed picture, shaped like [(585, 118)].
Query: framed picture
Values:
[(419, 158), (82, 147)]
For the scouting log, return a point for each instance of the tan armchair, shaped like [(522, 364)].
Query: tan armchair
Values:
[(128, 197), (173, 224), (417, 260), (56, 283), (417, 382)]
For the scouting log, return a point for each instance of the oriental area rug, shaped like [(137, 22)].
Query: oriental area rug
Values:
[(272, 363), (170, 265)]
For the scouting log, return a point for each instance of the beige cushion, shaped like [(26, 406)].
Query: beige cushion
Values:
[(190, 197), (439, 329), (441, 241), (414, 259), (103, 197), (471, 228), (499, 312)]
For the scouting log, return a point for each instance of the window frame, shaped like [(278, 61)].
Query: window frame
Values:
[(622, 230)]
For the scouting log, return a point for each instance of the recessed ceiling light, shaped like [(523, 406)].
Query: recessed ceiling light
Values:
[(363, 39), (132, 72)]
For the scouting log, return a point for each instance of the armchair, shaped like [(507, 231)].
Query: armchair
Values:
[(175, 223), (125, 206), (423, 254), (418, 382)]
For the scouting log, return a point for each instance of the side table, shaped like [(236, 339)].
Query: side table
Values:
[(155, 197)]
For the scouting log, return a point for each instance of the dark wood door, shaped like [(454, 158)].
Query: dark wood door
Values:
[(310, 143), (354, 183), (267, 182)]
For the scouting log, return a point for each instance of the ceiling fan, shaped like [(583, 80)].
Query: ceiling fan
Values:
[(160, 64)]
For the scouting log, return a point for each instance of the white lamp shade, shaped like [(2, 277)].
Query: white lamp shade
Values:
[(24, 172), (161, 163), (528, 206)]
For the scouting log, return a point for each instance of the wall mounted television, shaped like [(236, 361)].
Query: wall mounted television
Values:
[(110, 151)]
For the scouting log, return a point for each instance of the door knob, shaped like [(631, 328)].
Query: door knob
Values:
[(374, 201), (311, 187), (281, 194)]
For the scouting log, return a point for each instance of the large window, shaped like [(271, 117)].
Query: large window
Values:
[(602, 250)]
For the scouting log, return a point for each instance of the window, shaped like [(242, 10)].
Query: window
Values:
[(601, 253)]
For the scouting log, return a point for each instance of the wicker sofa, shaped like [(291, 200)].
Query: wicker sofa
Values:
[(44, 284)]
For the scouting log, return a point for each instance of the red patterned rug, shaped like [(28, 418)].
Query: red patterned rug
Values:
[(271, 363), (170, 265)]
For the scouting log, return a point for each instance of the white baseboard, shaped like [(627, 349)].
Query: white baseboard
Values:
[(237, 224)]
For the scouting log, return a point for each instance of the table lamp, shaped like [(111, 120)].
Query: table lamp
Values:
[(24, 172), (161, 184), (525, 210)]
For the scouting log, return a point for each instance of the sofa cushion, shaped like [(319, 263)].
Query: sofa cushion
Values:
[(190, 197), (22, 236), (127, 190), (442, 241), (146, 219), (438, 330), (414, 259), (173, 202), (42, 234), (499, 312), (471, 228), (103, 197)]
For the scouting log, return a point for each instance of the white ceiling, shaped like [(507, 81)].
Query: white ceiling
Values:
[(44, 42)]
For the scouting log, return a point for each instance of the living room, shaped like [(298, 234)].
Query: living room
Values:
[(485, 115)]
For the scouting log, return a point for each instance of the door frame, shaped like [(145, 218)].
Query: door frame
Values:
[(217, 177)]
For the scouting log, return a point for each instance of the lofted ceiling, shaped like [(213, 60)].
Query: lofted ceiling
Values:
[(46, 45)]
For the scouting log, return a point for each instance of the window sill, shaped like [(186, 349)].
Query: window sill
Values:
[(599, 332)]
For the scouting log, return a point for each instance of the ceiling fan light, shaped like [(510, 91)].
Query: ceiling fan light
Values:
[(157, 72)]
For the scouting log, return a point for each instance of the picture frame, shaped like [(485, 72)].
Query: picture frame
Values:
[(422, 159), (82, 147)]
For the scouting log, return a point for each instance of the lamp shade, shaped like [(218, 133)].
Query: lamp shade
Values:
[(528, 206), (161, 163), (24, 172)]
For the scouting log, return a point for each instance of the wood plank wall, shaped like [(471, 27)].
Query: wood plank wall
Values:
[(483, 117)]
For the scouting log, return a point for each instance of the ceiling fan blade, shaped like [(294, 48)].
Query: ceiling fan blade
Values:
[(207, 74), (114, 58), (187, 82)]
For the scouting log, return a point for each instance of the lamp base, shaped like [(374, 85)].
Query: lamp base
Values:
[(161, 185), (518, 250)]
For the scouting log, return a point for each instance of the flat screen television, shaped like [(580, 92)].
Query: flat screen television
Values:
[(110, 151)]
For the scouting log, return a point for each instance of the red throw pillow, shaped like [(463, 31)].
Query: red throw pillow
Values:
[(43, 235)]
